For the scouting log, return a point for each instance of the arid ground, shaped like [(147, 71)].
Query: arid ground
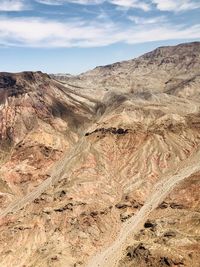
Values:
[(102, 169)]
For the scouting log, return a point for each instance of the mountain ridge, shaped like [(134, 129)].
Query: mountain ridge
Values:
[(80, 158)]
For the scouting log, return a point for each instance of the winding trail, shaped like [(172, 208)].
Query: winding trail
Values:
[(111, 255)]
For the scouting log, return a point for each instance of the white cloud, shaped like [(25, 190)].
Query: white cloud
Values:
[(152, 20), (35, 32), (131, 4), (162, 5), (50, 2), (44, 33), (121, 3), (61, 2), (85, 2), (176, 5), (12, 5), (161, 33)]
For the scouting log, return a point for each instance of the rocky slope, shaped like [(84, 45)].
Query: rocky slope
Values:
[(39, 121), (166, 69), (80, 158)]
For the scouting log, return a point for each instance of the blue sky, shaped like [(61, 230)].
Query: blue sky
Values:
[(73, 36)]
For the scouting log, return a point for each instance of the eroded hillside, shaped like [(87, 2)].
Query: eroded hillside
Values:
[(81, 157)]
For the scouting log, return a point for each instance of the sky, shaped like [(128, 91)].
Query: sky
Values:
[(72, 36)]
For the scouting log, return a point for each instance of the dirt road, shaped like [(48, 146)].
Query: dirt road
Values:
[(111, 255)]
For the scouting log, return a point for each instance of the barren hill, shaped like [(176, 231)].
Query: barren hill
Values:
[(166, 69), (102, 169)]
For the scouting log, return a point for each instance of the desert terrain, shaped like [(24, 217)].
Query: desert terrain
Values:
[(102, 169)]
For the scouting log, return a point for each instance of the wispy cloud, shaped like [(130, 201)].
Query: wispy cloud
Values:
[(61, 2), (120, 3), (144, 20), (103, 27), (131, 4), (144, 34), (176, 5), (162, 5), (13, 5), (79, 33), (50, 2), (47, 33)]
